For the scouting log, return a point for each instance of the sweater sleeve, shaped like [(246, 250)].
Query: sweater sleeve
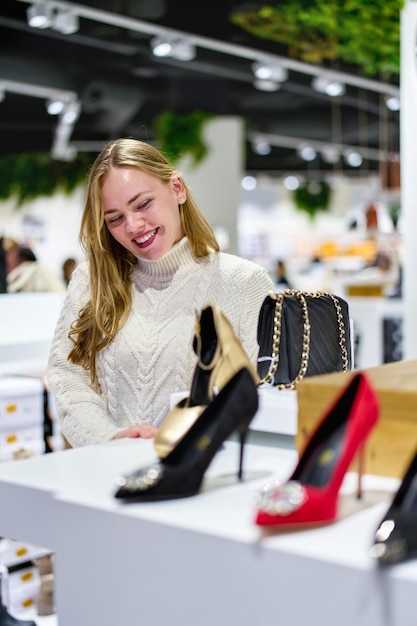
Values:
[(254, 290), (81, 411)]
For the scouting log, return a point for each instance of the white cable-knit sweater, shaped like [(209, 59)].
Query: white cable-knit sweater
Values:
[(151, 357)]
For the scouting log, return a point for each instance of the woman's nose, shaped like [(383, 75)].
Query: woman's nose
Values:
[(134, 222)]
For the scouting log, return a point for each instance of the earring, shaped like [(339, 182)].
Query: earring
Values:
[(181, 200)]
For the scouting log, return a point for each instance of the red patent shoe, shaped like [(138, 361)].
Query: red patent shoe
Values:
[(310, 495)]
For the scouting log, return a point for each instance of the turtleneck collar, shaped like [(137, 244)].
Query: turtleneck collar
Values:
[(179, 256)]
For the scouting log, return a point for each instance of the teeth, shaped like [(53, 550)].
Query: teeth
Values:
[(146, 237)]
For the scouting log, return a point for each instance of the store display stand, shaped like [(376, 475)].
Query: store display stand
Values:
[(198, 560)]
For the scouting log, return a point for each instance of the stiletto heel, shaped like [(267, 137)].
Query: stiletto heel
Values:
[(310, 495), (181, 472), (396, 538), (220, 356), (361, 465), (242, 438)]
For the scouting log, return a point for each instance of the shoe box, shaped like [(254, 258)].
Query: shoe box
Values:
[(20, 576), (21, 417)]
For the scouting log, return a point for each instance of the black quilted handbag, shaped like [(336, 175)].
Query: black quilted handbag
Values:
[(302, 334)]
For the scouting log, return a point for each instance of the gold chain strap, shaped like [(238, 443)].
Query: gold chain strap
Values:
[(305, 351)]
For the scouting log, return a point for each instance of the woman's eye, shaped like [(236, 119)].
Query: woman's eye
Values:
[(115, 220), (144, 204)]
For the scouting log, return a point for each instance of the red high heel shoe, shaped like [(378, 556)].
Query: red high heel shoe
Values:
[(310, 495)]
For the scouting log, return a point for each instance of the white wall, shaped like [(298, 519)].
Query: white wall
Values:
[(49, 225)]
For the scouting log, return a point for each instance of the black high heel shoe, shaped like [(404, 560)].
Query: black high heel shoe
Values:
[(181, 473), (220, 356), (396, 537)]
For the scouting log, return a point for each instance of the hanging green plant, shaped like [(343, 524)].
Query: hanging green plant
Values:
[(360, 32), (29, 175), (313, 196), (179, 135)]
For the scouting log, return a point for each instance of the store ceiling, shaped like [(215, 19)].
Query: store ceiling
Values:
[(108, 64)]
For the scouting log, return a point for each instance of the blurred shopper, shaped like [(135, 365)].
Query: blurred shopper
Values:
[(68, 267), (25, 273)]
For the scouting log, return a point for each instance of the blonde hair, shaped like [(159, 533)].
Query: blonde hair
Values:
[(110, 263)]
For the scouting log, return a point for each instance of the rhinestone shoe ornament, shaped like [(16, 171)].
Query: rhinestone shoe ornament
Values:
[(282, 500), (143, 479)]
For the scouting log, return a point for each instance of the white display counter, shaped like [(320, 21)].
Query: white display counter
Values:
[(198, 560), (27, 326)]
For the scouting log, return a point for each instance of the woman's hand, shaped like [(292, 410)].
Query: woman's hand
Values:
[(146, 431)]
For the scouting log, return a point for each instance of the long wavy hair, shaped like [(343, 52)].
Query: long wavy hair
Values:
[(110, 263)]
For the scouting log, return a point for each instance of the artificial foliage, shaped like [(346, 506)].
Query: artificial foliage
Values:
[(180, 135), (365, 33), (29, 175), (313, 196)]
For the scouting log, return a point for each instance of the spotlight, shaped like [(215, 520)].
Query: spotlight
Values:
[(269, 71), (393, 103), (352, 158), (291, 183), (66, 22), (307, 153), (39, 15), (55, 107), (183, 50), (248, 183), (161, 47), (261, 147), (71, 112), (329, 86), (180, 49)]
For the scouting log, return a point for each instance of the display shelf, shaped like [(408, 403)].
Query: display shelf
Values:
[(200, 559)]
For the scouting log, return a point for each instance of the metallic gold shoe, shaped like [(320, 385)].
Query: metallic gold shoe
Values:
[(220, 356)]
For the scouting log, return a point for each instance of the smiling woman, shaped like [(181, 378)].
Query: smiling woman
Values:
[(123, 343)]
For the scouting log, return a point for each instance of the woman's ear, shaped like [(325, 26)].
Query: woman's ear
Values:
[(179, 188)]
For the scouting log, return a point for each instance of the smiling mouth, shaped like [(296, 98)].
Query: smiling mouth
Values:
[(146, 240)]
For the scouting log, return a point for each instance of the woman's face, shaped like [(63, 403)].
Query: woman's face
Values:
[(141, 212)]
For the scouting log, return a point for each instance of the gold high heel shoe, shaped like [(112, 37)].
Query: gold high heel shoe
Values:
[(220, 357)]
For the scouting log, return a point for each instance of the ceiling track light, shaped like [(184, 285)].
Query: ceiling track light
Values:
[(392, 103), (178, 48), (42, 15), (39, 15), (353, 158), (55, 106), (307, 152), (330, 87), (264, 70), (71, 112), (161, 47), (263, 148), (66, 22)]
